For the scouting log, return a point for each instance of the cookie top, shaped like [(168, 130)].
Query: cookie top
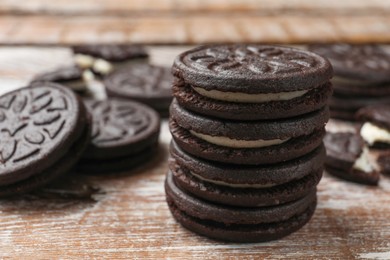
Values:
[(37, 127), (60, 75), (342, 149), (251, 69), (112, 52), (376, 114), (365, 62), (141, 82), (120, 128)]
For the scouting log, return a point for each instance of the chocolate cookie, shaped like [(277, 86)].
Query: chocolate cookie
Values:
[(237, 224), (71, 76), (247, 82), (145, 83), (348, 159), (255, 196), (125, 134), (256, 142), (105, 58), (44, 131), (248, 176), (365, 63)]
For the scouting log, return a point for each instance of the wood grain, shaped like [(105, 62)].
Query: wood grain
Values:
[(194, 29), (125, 216)]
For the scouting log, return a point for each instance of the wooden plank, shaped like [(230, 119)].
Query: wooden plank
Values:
[(195, 29), (126, 217), (89, 7)]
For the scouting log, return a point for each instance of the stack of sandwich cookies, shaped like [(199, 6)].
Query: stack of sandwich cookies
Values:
[(235, 168), (145, 83), (362, 77), (125, 135), (44, 131)]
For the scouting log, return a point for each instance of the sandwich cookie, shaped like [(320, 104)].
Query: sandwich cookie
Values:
[(237, 224), (44, 131), (125, 135), (145, 83), (72, 77), (376, 128), (251, 82), (251, 142), (362, 76), (104, 58), (349, 159)]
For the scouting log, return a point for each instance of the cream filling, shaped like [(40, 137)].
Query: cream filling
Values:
[(235, 143), (84, 61), (222, 183), (240, 97), (102, 66), (372, 133), (366, 163)]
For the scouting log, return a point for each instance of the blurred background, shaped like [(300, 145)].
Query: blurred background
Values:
[(193, 21), (34, 33)]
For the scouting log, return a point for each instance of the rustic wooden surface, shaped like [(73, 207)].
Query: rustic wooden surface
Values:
[(193, 21), (125, 216)]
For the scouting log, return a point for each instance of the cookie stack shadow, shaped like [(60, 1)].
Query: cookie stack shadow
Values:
[(244, 170)]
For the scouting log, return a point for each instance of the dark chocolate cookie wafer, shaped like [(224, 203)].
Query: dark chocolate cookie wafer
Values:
[(247, 82), (112, 52), (125, 134), (347, 159), (71, 76), (256, 142), (44, 130), (237, 224), (376, 128), (249, 176), (366, 63), (145, 83)]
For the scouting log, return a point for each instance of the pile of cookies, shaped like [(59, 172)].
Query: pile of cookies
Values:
[(362, 77), (247, 123), (50, 127), (361, 96)]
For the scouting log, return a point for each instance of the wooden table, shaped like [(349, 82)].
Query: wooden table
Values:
[(125, 216)]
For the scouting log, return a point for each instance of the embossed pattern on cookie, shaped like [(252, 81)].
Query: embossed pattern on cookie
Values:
[(34, 122)]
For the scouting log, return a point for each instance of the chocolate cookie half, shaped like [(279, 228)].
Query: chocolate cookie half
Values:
[(239, 142), (72, 77), (348, 159), (44, 131), (145, 83), (125, 134), (247, 82), (237, 224), (376, 128), (104, 58)]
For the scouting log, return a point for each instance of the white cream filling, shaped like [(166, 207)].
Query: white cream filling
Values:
[(372, 133), (366, 163), (231, 184), (102, 66), (84, 61), (235, 143), (240, 97)]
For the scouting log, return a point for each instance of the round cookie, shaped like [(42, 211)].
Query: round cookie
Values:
[(248, 176), (241, 81), (145, 83), (244, 197), (125, 134), (343, 151), (234, 224), (44, 131), (367, 63), (252, 143), (70, 76), (111, 52)]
